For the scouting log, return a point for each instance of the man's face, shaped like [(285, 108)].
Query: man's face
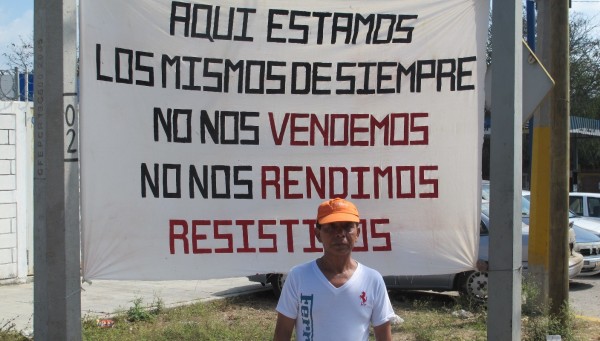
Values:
[(339, 237)]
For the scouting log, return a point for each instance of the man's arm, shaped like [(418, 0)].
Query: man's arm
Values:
[(383, 332), (284, 328)]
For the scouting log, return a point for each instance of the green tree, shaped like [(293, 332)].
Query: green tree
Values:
[(585, 68), (585, 85)]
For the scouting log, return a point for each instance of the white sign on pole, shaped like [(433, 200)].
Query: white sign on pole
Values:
[(537, 83), (211, 131)]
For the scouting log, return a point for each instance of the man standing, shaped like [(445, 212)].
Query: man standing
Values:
[(334, 297)]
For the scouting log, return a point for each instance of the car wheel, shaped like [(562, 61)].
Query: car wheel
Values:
[(277, 281), (474, 285)]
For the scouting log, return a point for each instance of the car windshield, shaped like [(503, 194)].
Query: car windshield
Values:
[(525, 203), (525, 206), (485, 190), (485, 207), (526, 199)]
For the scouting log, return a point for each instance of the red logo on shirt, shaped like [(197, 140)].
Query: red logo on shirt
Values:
[(363, 298)]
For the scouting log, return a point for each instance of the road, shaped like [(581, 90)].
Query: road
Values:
[(584, 296)]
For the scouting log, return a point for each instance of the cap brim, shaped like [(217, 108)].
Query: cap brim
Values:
[(337, 217)]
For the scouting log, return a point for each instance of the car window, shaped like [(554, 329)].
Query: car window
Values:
[(483, 230), (575, 204), (485, 208), (573, 215), (594, 206), (485, 190), (525, 206)]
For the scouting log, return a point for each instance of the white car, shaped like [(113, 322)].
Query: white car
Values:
[(588, 245), (474, 284), (587, 233), (576, 260), (590, 224), (585, 204)]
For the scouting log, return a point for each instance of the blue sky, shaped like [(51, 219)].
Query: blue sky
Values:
[(16, 19)]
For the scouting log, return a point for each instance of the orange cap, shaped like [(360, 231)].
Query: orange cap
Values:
[(335, 210)]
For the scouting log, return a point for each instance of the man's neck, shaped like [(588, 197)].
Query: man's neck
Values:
[(337, 270)]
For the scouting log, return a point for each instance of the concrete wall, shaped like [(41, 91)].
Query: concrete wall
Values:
[(16, 195)]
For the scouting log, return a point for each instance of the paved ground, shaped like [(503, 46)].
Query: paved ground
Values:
[(584, 295), (102, 298)]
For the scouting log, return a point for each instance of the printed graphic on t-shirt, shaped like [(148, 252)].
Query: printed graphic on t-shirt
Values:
[(363, 298), (306, 306)]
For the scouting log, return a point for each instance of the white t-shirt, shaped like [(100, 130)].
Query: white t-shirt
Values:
[(326, 313)]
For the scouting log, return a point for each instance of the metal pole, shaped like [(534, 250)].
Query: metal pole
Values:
[(57, 291), (504, 304), (559, 143), (531, 43), (531, 24), (539, 222)]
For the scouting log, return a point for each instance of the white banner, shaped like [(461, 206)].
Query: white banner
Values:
[(212, 130)]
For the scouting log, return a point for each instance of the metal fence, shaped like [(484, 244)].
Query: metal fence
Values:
[(16, 86)]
